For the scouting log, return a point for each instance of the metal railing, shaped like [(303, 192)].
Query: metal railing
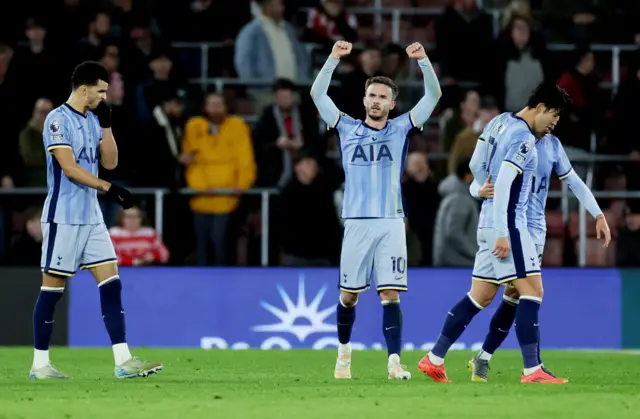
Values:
[(396, 14), (220, 82), (265, 193)]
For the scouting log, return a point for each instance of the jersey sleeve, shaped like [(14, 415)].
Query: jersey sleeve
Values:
[(502, 187), (420, 113), (486, 131), (405, 122), (344, 124), (561, 164), (520, 151), (474, 189), (328, 110), (477, 164), (56, 133)]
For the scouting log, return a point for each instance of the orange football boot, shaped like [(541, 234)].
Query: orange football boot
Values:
[(436, 372), (541, 376)]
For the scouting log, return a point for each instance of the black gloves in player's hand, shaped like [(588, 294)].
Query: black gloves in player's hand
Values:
[(121, 196), (103, 112)]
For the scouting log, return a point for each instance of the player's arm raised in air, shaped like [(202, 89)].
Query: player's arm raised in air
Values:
[(108, 147), (563, 169), (518, 155), (328, 110), (432, 91)]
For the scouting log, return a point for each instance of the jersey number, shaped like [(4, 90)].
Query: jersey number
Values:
[(88, 156), (398, 264), (542, 186), (492, 144)]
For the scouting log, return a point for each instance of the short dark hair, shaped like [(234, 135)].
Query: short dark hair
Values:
[(383, 80), (551, 96), (88, 73), (284, 84), (463, 168), (394, 49), (104, 47), (370, 47), (303, 155)]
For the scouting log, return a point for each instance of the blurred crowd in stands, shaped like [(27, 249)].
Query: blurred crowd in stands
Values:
[(262, 131)]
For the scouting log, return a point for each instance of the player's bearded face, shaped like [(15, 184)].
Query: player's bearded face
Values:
[(378, 101), (96, 94)]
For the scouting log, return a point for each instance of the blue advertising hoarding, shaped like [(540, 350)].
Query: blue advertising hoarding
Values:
[(286, 308)]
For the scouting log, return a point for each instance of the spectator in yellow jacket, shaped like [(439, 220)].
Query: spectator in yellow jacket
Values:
[(218, 154)]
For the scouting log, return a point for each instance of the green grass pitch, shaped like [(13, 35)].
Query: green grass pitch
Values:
[(299, 384)]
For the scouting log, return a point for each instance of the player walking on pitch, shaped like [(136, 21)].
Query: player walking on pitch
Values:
[(77, 138), (506, 152), (373, 157), (551, 158)]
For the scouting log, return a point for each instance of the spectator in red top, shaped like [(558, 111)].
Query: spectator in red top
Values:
[(330, 22), (135, 244)]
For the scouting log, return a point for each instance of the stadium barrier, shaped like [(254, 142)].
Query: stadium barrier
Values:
[(564, 194), (205, 48), (288, 308), (20, 288)]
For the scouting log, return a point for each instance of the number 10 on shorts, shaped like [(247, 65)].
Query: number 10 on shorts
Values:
[(398, 264)]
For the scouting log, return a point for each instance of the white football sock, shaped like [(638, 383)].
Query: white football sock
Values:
[(435, 360), (40, 358), (344, 348), (528, 371), (121, 353), (485, 356), (394, 359)]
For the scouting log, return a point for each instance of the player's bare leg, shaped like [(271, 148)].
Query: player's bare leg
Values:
[(531, 292), (480, 296), (126, 366), (392, 330), (346, 314), (50, 293)]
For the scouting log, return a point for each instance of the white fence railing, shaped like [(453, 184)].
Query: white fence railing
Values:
[(159, 196), (220, 82)]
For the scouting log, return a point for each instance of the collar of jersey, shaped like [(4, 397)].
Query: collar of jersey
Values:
[(376, 129), (75, 110), (513, 114)]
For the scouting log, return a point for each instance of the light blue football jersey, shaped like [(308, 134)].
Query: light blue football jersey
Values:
[(373, 161), (68, 202), (551, 158), (509, 140)]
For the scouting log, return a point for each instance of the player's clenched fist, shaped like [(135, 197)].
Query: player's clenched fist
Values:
[(416, 50), (340, 49)]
